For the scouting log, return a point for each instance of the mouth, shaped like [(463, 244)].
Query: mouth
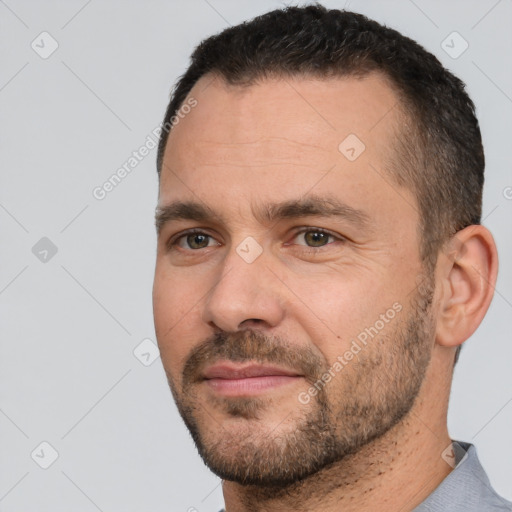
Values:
[(230, 379)]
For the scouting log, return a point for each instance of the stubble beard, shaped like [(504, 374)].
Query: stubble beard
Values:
[(361, 404)]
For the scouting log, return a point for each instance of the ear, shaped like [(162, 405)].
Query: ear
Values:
[(468, 272)]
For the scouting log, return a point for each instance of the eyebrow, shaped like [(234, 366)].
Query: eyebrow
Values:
[(312, 206)]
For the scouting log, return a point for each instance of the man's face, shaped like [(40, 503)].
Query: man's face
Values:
[(285, 296)]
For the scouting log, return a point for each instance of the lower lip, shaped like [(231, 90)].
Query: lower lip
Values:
[(249, 385)]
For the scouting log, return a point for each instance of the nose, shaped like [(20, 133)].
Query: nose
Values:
[(244, 295)]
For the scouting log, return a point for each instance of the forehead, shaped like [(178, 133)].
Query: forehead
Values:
[(280, 139), (291, 113)]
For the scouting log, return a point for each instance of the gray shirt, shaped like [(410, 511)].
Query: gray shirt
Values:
[(466, 488)]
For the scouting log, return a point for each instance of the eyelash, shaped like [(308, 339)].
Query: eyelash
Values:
[(310, 249), (175, 239), (173, 242)]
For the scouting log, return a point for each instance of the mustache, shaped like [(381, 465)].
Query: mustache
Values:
[(247, 345)]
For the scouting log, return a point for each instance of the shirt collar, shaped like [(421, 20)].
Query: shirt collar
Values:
[(466, 488)]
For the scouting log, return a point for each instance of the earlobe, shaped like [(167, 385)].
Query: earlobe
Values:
[(468, 276)]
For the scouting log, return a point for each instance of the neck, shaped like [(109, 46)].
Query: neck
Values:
[(398, 471)]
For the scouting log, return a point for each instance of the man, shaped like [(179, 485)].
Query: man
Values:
[(320, 262)]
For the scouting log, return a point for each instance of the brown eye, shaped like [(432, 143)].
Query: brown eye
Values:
[(316, 238), (192, 240), (197, 240)]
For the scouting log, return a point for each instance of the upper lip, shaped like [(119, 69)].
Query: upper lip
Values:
[(242, 371)]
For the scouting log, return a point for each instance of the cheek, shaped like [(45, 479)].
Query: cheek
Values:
[(176, 316), (335, 309), (328, 310)]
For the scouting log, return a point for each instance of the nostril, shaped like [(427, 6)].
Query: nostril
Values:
[(252, 320), (250, 323)]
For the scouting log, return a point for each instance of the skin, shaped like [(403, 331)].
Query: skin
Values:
[(243, 147)]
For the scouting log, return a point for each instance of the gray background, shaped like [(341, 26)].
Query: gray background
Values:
[(71, 321)]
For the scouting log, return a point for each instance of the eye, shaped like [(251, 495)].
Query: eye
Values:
[(194, 240), (315, 237)]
